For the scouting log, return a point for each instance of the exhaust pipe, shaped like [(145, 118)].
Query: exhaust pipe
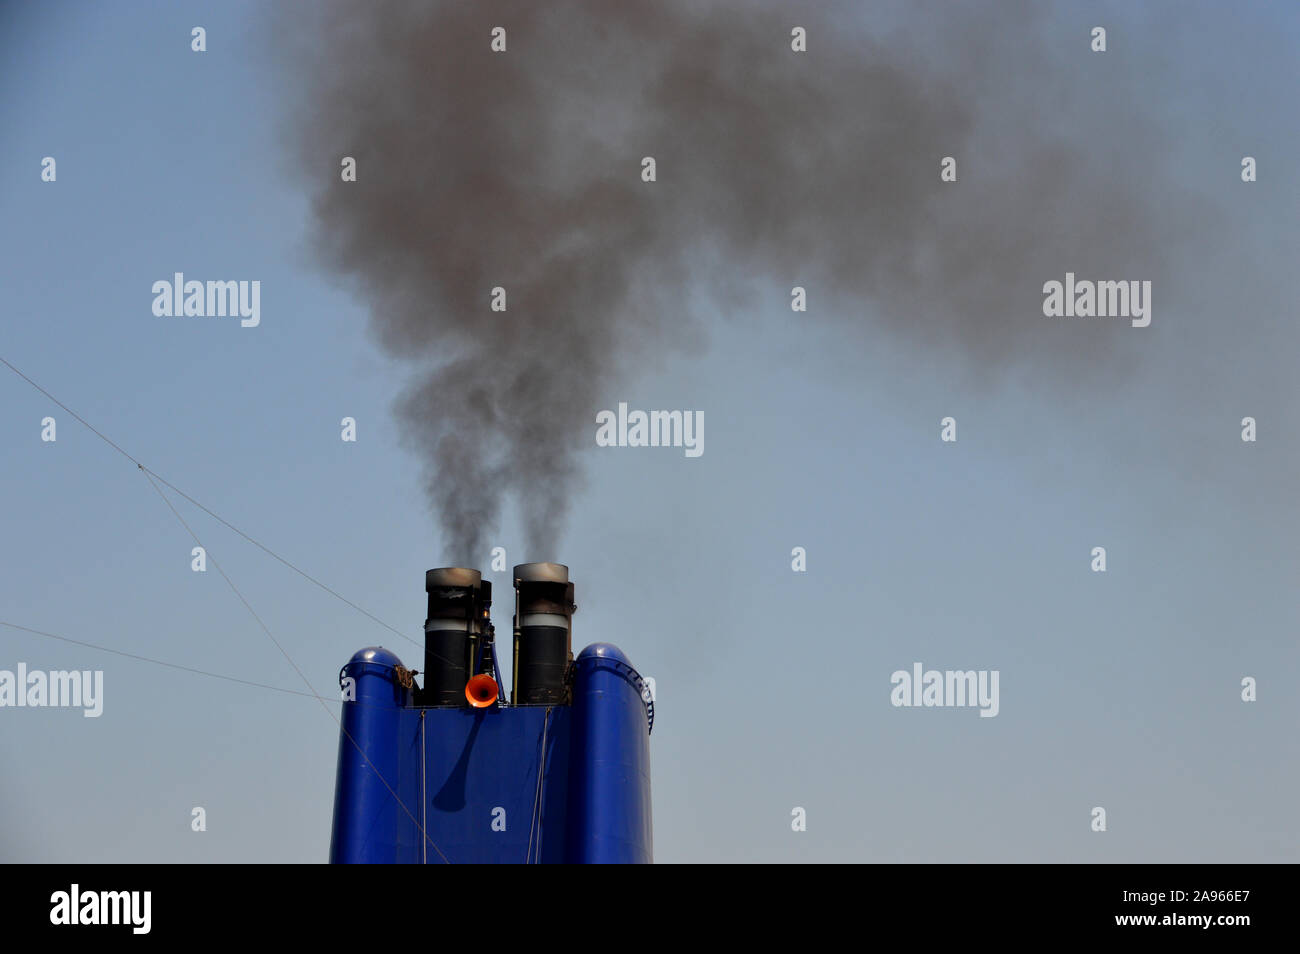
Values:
[(459, 603), (543, 648)]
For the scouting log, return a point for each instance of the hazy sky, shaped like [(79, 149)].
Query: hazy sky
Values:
[(1119, 689)]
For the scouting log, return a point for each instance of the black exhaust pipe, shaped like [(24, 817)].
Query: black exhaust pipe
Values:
[(459, 604), (544, 611)]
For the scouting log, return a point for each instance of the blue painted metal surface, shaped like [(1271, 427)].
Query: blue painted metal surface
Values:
[(367, 818), (475, 792), (482, 803), (609, 797)]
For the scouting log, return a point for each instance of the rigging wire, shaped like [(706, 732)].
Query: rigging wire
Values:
[(150, 476), (536, 821), (153, 474), (190, 669), (374, 768), (158, 662)]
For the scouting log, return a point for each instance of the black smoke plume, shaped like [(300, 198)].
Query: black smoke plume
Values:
[(522, 169)]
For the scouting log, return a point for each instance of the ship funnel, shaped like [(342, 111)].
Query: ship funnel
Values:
[(543, 648), (459, 605)]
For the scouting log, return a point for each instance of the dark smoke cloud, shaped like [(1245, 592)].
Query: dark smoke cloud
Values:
[(820, 169)]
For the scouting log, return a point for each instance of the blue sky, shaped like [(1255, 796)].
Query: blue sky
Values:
[(1118, 690)]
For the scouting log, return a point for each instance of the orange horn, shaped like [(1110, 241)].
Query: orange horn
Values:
[(481, 691)]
